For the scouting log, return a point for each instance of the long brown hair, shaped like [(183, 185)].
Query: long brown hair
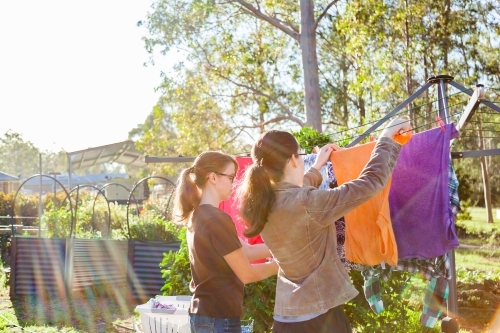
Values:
[(191, 180), (270, 154)]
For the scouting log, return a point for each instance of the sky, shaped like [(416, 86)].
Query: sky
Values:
[(71, 72)]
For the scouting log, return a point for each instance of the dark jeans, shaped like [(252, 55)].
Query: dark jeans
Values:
[(203, 324), (333, 321)]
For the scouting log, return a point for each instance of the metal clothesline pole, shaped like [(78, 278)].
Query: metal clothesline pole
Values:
[(452, 301)]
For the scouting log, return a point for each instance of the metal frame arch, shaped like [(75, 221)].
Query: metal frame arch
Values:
[(19, 189), (117, 184), (132, 191), (77, 189)]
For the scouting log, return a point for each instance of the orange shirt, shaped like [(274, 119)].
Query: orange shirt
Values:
[(369, 238)]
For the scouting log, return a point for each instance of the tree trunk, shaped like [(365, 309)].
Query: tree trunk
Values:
[(486, 178), (362, 110), (409, 88), (310, 64), (343, 68), (446, 41)]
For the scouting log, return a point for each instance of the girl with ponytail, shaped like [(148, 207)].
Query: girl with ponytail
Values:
[(220, 262), (297, 223)]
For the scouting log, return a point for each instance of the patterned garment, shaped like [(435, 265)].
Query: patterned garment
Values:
[(453, 189), (435, 297), (436, 292), (326, 172), (348, 265), (428, 268), (158, 305), (373, 294)]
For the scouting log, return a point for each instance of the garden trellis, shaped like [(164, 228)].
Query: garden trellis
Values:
[(46, 267)]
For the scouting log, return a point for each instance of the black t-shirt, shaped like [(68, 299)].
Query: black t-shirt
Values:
[(217, 291)]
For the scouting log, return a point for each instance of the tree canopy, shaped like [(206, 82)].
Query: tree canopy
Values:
[(250, 66)]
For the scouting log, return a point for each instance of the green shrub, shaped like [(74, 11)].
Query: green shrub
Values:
[(150, 226), (399, 314), (176, 270), (464, 214), (258, 303), (309, 138), (56, 221), (161, 207)]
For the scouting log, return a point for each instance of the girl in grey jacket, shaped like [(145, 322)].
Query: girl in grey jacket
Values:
[(297, 223)]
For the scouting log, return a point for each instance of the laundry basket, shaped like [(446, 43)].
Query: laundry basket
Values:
[(173, 320), (247, 326)]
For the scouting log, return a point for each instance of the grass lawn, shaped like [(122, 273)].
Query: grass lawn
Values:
[(480, 253), (478, 221)]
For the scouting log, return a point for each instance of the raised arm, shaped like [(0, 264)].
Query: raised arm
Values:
[(327, 206)]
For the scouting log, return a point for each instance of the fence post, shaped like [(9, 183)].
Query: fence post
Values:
[(68, 269)]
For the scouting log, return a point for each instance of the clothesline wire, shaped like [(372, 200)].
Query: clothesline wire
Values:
[(405, 110), (402, 132), (380, 129), (475, 136), (490, 113), (387, 118), (484, 122), (394, 115), (483, 129)]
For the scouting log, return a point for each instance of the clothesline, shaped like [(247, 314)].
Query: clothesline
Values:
[(404, 111), (475, 136), (413, 129), (482, 129), (484, 122), (490, 113), (351, 137)]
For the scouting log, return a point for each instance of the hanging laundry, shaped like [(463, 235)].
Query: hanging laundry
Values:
[(326, 171), (453, 189), (369, 235), (340, 231), (436, 271), (419, 196), (436, 294)]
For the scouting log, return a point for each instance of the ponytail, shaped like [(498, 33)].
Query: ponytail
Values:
[(187, 196), (256, 197)]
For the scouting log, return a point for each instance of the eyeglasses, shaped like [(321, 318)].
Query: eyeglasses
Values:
[(231, 177)]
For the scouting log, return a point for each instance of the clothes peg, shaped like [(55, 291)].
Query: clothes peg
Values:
[(441, 123), (402, 137), (372, 138)]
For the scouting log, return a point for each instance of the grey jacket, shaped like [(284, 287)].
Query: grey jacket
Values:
[(300, 233)]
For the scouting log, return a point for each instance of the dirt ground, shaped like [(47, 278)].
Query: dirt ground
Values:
[(479, 306)]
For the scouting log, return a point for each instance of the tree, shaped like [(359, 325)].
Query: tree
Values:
[(18, 157), (182, 23), (248, 62)]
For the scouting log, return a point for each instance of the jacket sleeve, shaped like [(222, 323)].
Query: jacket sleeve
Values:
[(312, 178), (327, 206)]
